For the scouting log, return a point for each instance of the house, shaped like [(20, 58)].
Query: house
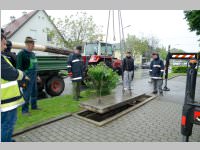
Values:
[(34, 24)]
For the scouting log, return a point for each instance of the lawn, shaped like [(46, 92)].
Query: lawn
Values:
[(51, 108), (171, 75)]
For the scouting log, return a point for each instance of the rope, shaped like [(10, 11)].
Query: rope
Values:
[(123, 39), (114, 38), (107, 34), (120, 46), (120, 34)]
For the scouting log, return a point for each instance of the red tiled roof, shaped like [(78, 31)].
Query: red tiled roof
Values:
[(15, 25)]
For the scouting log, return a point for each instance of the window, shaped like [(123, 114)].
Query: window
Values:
[(106, 49), (91, 49), (33, 34)]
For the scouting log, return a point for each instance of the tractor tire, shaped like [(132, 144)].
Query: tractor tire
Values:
[(55, 86), (108, 63), (119, 71)]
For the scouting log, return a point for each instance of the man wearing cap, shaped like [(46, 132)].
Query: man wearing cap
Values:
[(75, 71), (128, 70), (10, 55), (27, 62), (156, 72)]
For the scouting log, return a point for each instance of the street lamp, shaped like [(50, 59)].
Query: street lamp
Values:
[(126, 26), (123, 32)]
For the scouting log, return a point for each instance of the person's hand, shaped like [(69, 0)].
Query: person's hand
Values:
[(70, 74), (38, 79), (27, 78), (161, 75), (132, 77)]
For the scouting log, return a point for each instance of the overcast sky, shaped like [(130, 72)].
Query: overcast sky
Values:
[(169, 26)]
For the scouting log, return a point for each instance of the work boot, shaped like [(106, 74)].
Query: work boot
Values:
[(13, 140), (125, 89), (26, 114), (131, 88), (76, 98), (154, 92), (36, 108)]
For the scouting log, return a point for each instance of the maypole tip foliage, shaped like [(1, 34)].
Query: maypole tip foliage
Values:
[(102, 78)]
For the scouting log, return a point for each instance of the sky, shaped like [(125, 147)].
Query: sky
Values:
[(169, 26)]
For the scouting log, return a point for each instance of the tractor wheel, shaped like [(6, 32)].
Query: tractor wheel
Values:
[(119, 71), (55, 86), (108, 63)]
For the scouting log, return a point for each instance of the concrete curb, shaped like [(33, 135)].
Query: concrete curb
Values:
[(174, 77), (42, 124), (106, 121)]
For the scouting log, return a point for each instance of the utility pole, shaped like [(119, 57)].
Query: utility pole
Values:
[(166, 70)]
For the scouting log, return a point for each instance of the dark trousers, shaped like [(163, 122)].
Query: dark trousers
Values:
[(76, 89), (30, 92), (157, 85), (8, 120)]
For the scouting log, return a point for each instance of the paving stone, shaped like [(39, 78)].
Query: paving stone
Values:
[(158, 121)]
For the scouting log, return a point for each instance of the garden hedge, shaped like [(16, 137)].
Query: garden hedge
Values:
[(179, 69)]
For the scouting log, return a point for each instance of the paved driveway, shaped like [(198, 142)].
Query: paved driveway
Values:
[(158, 120)]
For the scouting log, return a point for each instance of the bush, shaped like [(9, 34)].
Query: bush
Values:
[(102, 78), (179, 69)]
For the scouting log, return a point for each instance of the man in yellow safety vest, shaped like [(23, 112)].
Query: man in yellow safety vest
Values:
[(11, 96)]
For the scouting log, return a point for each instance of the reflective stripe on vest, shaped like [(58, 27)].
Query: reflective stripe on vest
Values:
[(12, 105), (11, 96), (77, 78), (8, 84), (76, 60)]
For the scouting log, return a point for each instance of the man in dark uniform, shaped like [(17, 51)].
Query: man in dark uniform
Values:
[(10, 55), (156, 72), (75, 70)]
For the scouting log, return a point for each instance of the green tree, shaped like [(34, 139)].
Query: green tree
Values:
[(193, 19), (76, 29), (162, 52), (175, 50), (102, 78), (136, 45), (153, 43)]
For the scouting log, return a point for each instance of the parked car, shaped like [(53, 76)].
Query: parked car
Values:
[(145, 65), (176, 63), (136, 67)]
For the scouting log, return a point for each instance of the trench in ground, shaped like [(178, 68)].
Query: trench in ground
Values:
[(102, 117)]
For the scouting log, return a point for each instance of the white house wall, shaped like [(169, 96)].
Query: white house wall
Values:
[(35, 28)]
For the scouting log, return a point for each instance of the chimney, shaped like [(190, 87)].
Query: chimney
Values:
[(12, 18), (24, 13)]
